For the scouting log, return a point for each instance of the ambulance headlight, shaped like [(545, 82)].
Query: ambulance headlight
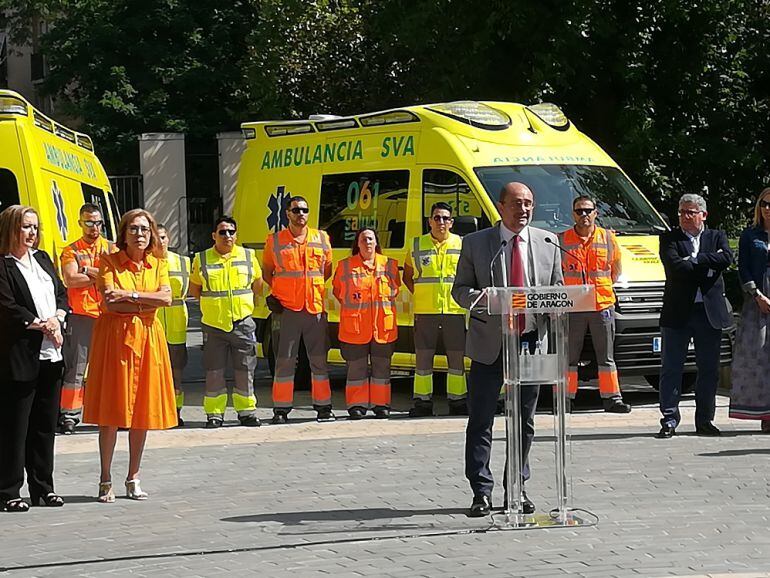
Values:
[(550, 114), (12, 105), (474, 113)]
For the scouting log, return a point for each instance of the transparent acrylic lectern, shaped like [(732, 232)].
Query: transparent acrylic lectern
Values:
[(547, 365)]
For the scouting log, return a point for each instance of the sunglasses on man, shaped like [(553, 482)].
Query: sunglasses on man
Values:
[(442, 219), (583, 212), (298, 210), (226, 232), (92, 224)]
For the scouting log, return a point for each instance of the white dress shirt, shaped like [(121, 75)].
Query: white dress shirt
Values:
[(695, 240), (508, 235), (43, 293)]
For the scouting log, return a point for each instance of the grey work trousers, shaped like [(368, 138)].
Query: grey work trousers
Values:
[(427, 328), (367, 388), (77, 343), (312, 329), (240, 344)]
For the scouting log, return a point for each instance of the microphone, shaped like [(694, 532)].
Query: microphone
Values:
[(499, 252), (550, 241)]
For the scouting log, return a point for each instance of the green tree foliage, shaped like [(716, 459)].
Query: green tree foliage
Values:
[(678, 91)]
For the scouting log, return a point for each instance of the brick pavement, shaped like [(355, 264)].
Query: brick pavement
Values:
[(377, 498)]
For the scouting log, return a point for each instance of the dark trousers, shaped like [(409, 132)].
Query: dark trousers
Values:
[(30, 413), (674, 353), (484, 382)]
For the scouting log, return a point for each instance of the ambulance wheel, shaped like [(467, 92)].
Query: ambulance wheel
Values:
[(688, 382), (302, 373)]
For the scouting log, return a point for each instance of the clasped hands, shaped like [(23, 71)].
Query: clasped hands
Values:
[(51, 328)]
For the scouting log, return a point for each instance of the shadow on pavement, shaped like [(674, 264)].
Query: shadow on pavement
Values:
[(731, 453), (355, 515)]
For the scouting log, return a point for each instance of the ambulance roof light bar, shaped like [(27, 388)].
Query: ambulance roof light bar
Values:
[(13, 105), (550, 114), (474, 113)]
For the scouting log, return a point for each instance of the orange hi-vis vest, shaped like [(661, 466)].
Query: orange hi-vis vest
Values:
[(86, 300), (597, 255), (298, 278), (367, 299)]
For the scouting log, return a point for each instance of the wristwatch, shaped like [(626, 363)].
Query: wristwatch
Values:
[(134, 296), (84, 270)]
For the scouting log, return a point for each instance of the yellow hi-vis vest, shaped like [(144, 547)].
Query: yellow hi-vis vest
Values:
[(226, 294), (174, 318), (434, 272)]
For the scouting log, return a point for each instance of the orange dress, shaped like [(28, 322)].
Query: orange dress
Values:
[(129, 381)]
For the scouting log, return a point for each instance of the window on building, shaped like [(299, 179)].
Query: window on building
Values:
[(9, 189), (354, 200), (441, 185)]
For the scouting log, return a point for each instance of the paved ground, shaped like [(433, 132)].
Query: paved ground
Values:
[(388, 498)]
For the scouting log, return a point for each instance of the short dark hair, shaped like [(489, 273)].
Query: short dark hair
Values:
[(90, 208), (294, 198), (583, 198), (160, 226), (225, 219), (377, 247), (441, 205)]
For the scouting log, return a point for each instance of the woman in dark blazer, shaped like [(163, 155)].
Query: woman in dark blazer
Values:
[(33, 302)]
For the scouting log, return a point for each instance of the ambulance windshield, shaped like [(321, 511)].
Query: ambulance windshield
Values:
[(620, 205)]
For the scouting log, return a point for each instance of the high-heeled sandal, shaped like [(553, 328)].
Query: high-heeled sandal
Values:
[(106, 495), (15, 505), (50, 500), (134, 490)]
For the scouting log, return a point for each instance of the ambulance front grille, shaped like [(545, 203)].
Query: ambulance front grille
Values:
[(640, 298)]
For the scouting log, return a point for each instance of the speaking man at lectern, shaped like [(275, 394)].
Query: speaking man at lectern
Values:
[(529, 261)]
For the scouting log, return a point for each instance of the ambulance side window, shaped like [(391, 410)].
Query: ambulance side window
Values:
[(99, 198), (441, 185), (354, 200), (9, 189)]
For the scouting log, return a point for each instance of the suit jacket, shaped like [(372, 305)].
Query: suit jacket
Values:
[(484, 340), (685, 275), (19, 346)]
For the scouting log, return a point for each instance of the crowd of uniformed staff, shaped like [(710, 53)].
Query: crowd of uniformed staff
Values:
[(117, 319)]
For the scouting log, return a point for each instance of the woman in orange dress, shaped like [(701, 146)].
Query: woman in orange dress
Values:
[(130, 384)]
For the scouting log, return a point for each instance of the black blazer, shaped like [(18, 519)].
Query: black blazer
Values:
[(19, 346), (684, 277)]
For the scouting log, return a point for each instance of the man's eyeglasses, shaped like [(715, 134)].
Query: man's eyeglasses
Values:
[(298, 210), (764, 204), (92, 224), (226, 232), (583, 212), (137, 230), (442, 219), (689, 213)]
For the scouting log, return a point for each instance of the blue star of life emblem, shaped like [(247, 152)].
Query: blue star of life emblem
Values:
[(277, 218), (61, 216)]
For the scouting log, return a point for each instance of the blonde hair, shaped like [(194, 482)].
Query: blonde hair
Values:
[(123, 229), (10, 225), (758, 221)]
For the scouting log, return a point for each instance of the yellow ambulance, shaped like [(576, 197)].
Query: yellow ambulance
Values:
[(53, 169), (386, 169)]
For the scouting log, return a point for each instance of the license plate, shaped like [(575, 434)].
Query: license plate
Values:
[(656, 344)]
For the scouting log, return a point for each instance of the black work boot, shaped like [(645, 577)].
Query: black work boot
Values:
[(616, 405), (458, 407), (422, 408), (325, 413), (279, 417)]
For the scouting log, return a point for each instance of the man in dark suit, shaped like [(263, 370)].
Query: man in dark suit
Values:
[(694, 307), (530, 262)]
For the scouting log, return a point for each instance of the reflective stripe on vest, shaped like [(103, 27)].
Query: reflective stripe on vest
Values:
[(363, 319), (597, 257), (435, 270), (226, 294), (174, 318), (300, 287)]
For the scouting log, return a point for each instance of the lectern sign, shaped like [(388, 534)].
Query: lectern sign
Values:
[(550, 299)]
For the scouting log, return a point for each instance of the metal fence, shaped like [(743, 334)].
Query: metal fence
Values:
[(129, 191)]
